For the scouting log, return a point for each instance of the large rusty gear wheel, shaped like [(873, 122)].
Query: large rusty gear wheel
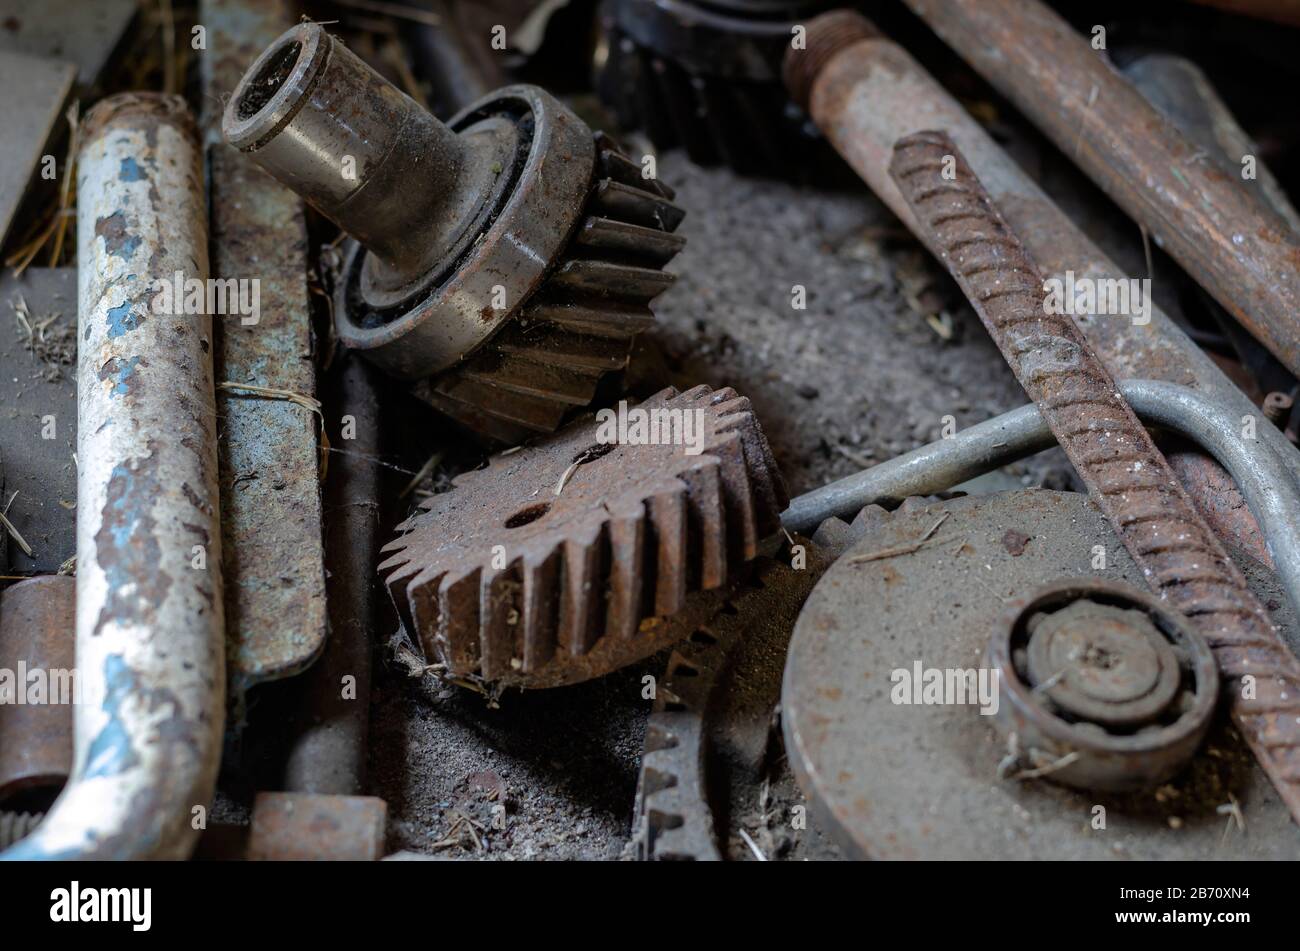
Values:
[(579, 325), (554, 563)]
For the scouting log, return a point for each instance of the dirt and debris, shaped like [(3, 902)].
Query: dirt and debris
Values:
[(853, 379), (50, 338)]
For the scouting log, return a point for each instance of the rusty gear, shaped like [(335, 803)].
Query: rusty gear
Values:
[(502, 261), (926, 585), (550, 565), (580, 323), (705, 75)]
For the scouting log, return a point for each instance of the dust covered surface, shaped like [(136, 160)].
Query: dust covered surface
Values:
[(884, 350)]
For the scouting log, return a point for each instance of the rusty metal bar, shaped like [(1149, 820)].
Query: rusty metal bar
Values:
[(150, 637), (36, 635), (1267, 484), (1222, 232), (1126, 475), (327, 753), (270, 483), (1186, 97), (865, 92)]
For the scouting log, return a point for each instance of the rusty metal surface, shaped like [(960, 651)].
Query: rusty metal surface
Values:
[(893, 780), (33, 93), (37, 635), (269, 459), (329, 727), (507, 254), (1130, 480), (306, 827), (38, 417), (1262, 477), (1186, 97), (558, 562), (1102, 687), (1218, 227), (865, 92), (150, 634), (713, 708), (87, 33)]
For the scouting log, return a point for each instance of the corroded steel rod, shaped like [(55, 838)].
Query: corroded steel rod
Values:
[(1221, 231), (1126, 475)]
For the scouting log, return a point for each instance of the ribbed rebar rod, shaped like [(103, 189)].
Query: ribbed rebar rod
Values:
[(1126, 475)]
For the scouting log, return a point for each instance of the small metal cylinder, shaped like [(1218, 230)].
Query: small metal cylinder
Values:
[(149, 624), (359, 150), (36, 640)]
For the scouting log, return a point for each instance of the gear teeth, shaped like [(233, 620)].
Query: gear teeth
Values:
[(580, 323), (838, 536), (678, 784), (548, 565), (744, 123)]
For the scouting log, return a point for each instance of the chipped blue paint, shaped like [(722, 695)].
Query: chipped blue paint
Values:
[(121, 320), (120, 387), (111, 753), (130, 171)]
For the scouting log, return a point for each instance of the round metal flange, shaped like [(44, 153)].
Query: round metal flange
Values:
[(503, 264), (925, 589), (1102, 686)]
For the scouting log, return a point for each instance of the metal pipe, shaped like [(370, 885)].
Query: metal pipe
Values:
[(36, 635), (1222, 233), (1186, 97), (1266, 482), (445, 56), (865, 92), (149, 608), (360, 151)]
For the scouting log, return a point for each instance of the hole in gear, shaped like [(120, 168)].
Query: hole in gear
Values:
[(528, 515)]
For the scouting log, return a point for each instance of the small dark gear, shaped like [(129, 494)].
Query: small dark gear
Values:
[(500, 263), (557, 561), (705, 75), (709, 735)]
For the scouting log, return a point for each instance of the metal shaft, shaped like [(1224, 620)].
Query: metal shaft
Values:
[(359, 150), (1186, 97), (865, 92), (1216, 227), (36, 630), (149, 624), (1126, 475)]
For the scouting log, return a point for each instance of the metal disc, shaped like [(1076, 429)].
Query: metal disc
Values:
[(893, 780)]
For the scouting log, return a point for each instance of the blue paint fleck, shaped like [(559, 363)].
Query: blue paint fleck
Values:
[(121, 320), (120, 387), (111, 753), (130, 171)]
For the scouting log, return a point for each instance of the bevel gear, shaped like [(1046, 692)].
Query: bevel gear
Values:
[(555, 562), (705, 75), (502, 262)]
